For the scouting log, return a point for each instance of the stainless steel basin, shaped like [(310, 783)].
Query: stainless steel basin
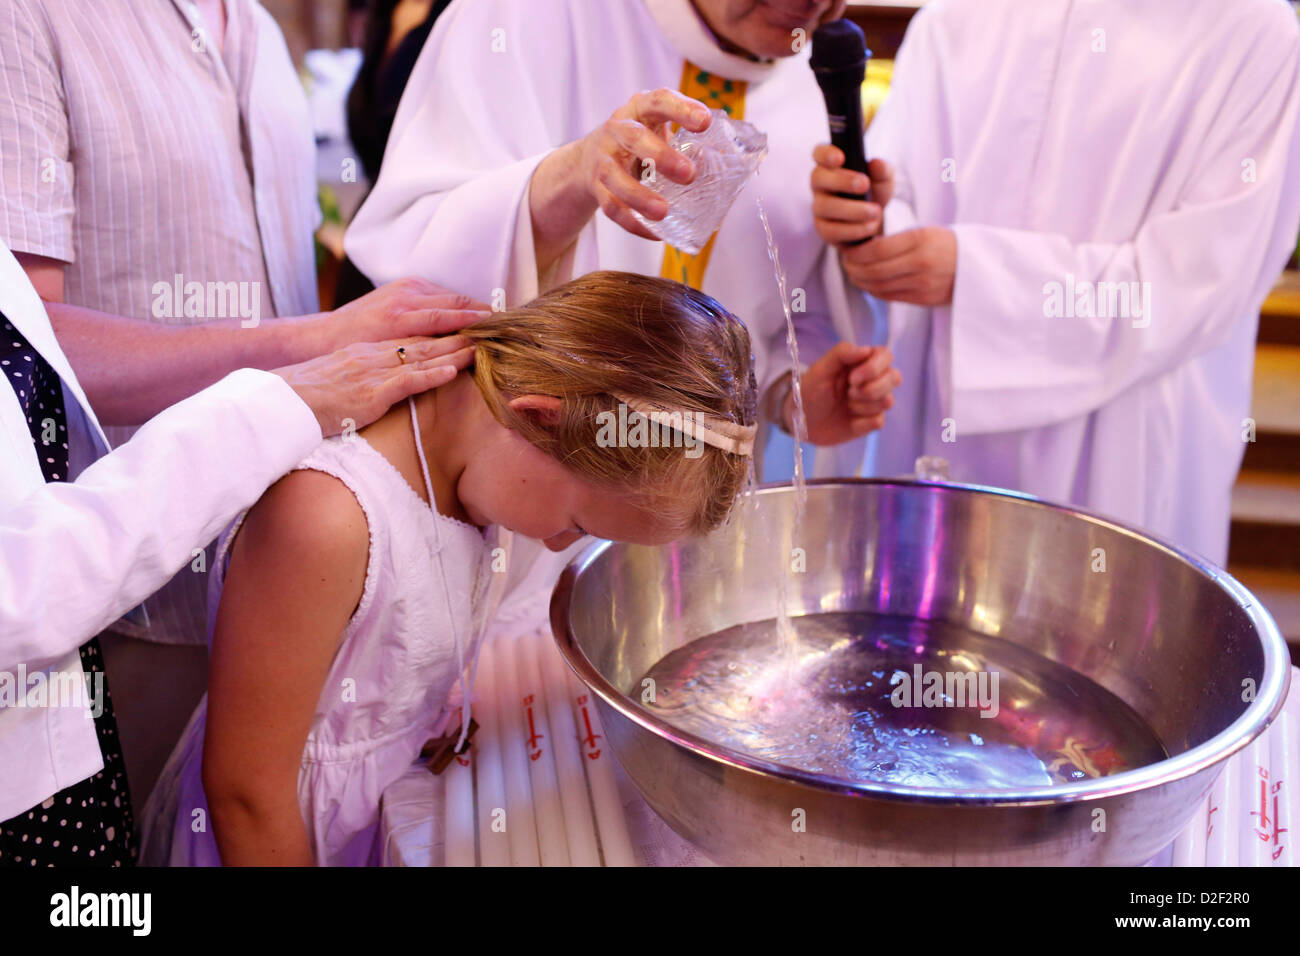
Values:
[(1178, 641)]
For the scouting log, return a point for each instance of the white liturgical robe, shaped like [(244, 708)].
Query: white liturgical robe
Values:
[(500, 84), (1123, 179)]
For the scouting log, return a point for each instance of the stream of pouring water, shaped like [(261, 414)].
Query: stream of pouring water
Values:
[(786, 635)]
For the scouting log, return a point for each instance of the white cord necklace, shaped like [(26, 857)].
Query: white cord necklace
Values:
[(442, 567)]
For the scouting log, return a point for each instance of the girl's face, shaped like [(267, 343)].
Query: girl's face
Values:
[(512, 483)]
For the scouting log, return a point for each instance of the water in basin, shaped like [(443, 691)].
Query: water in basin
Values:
[(859, 703)]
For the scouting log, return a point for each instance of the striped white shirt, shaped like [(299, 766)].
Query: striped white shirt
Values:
[(147, 159)]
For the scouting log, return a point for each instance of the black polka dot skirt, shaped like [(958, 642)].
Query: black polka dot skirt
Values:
[(89, 823)]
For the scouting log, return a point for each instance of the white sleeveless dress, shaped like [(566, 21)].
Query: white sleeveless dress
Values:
[(395, 666)]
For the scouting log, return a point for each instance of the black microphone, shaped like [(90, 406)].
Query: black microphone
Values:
[(839, 61)]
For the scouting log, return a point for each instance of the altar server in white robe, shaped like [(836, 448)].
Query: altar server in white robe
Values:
[(503, 172), (1090, 203)]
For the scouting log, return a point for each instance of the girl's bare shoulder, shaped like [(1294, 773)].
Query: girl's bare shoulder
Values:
[(309, 526)]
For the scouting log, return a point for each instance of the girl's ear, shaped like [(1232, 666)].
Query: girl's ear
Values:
[(545, 409)]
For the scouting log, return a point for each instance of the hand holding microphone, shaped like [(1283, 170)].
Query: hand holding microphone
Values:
[(848, 192), (844, 221)]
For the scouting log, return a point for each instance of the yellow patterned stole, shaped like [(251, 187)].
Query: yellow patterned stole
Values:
[(717, 94)]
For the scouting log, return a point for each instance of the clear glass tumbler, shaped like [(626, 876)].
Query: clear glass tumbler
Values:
[(725, 155)]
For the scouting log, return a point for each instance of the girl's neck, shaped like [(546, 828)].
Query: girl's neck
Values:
[(444, 415)]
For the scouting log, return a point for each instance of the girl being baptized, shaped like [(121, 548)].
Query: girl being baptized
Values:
[(351, 595)]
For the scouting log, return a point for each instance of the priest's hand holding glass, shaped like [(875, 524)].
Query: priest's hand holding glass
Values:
[(603, 171)]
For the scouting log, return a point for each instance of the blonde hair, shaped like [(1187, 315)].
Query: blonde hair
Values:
[(641, 337)]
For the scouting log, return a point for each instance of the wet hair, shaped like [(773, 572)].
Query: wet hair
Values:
[(640, 337)]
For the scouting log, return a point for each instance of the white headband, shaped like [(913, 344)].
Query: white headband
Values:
[(718, 432)]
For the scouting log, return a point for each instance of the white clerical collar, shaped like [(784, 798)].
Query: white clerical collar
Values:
[(688, 33)]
